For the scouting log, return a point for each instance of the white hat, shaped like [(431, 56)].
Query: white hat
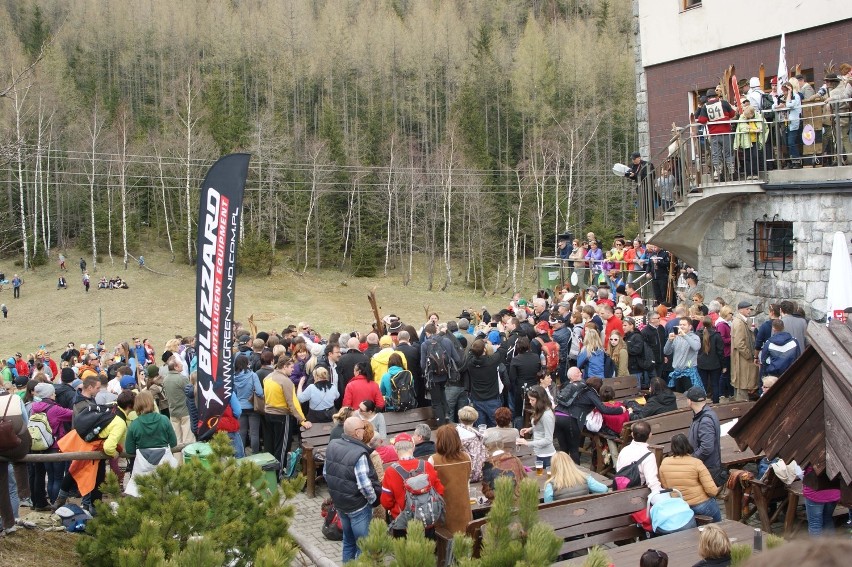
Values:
[(754, 83), (636, 301)]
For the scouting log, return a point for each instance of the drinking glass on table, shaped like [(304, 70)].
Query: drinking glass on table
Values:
[(539, 468)]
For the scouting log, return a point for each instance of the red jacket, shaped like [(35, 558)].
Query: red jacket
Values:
[(715, 111), (22, 367), (393, 490), (359, 389), (615, 422)]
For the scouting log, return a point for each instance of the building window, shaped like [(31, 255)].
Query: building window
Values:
[(773, 245), (689, 4)]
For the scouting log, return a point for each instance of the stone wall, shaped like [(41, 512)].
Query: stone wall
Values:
[(726, 267), (642, 125)]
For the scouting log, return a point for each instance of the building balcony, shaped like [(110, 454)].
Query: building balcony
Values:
[(683, 198)]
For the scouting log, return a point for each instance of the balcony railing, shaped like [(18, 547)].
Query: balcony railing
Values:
[(687, 166)]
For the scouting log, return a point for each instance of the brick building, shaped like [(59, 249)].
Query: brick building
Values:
[(766, 239)]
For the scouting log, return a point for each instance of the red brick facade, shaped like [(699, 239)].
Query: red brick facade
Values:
[(670, 83)]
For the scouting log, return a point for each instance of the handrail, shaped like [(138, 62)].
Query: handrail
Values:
[(686, 165)]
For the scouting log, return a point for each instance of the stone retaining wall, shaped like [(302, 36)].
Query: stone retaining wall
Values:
[(726, 267)]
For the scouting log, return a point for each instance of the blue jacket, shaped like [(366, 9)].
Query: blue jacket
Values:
[(245, 383), (778, 353), (597, 365)]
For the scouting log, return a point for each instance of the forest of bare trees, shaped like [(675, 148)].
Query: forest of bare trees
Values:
[(457, 134)]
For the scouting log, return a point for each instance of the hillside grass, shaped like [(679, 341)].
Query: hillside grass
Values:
[(159, 306)]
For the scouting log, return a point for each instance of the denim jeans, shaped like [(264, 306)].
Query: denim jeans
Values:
[(237, 443), (456, 399), (793, 143), (820, 517), (486, 409), (355, 525), (708, 508)]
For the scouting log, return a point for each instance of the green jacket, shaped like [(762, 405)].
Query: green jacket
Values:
[(150, 431)]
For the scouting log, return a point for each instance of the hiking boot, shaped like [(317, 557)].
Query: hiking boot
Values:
[(59, 503)]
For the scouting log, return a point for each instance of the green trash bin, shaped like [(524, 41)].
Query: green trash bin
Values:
[(200, 450), (549, 277), (268, 483)]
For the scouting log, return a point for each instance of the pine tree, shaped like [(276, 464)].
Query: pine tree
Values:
[(195, 514), (511, 537)]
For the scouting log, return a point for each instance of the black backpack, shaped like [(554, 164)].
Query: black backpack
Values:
[(567, 395), (628, 476), (436, 358), (766, 103), (402, 396), (92, 419), (647, 360)]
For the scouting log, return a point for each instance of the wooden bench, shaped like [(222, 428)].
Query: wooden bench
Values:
[(592, 512), (681, 547), (315, 440), (666, 425)]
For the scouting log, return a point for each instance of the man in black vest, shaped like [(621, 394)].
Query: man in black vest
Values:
[(352, 482)]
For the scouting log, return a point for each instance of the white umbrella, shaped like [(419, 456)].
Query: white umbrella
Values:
[(839, 295)]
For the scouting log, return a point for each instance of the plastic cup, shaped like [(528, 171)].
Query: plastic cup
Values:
[(539, 468), (482, 429)]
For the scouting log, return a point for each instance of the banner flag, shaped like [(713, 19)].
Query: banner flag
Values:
[(782, 65), (218, 235)]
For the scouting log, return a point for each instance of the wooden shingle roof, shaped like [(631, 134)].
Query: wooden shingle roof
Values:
[(807, 415)]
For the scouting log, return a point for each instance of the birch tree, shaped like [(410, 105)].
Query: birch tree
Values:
[(94, 134), (19, 99)]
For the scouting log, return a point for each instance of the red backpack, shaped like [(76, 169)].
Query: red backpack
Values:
[(551, 354)]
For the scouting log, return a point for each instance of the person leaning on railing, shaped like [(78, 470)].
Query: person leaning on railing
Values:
[(789, 101), (838, 90), (750, 137)]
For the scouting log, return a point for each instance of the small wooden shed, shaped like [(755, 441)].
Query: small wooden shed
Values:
[(807, 415)]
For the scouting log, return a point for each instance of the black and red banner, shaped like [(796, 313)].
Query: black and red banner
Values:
[(218, 237)]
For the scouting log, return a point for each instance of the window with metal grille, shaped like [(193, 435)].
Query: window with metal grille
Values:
[(773, 245)]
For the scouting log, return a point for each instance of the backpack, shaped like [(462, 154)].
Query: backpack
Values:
[(41, 432), (402, 396), (628, 476), (609, 366), (73, 517), (647, 360), (436, 359), (669, 514), (551, 354), (766, 103), (332, 529), (92, 419), (567, 395), (422, 502), (294, 463)]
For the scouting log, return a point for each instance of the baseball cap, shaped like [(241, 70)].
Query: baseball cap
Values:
[(403, 437), (696, 394), (542, 327)]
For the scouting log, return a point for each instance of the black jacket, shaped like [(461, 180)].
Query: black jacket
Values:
[(424, 449), (65, 395), (346, 367), (340, 458), (585, 401), (483, 375), (563, 338), (509, 346), (635, 351), (657, 404), (713, 359), (656, 339)]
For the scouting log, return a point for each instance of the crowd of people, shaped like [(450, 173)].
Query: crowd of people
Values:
[(770, 126), (543, 359)]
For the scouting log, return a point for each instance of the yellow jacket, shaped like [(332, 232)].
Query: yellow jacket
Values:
[(379, 362), (690, 476), (114, 433), (279, 394)]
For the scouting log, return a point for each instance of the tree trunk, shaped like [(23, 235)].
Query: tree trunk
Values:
[(19, 143)]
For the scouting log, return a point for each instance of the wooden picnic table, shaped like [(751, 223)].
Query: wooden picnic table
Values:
[(483, 506), (681, 547)]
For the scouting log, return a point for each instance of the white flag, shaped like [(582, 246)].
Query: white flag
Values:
[(782, 66)]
